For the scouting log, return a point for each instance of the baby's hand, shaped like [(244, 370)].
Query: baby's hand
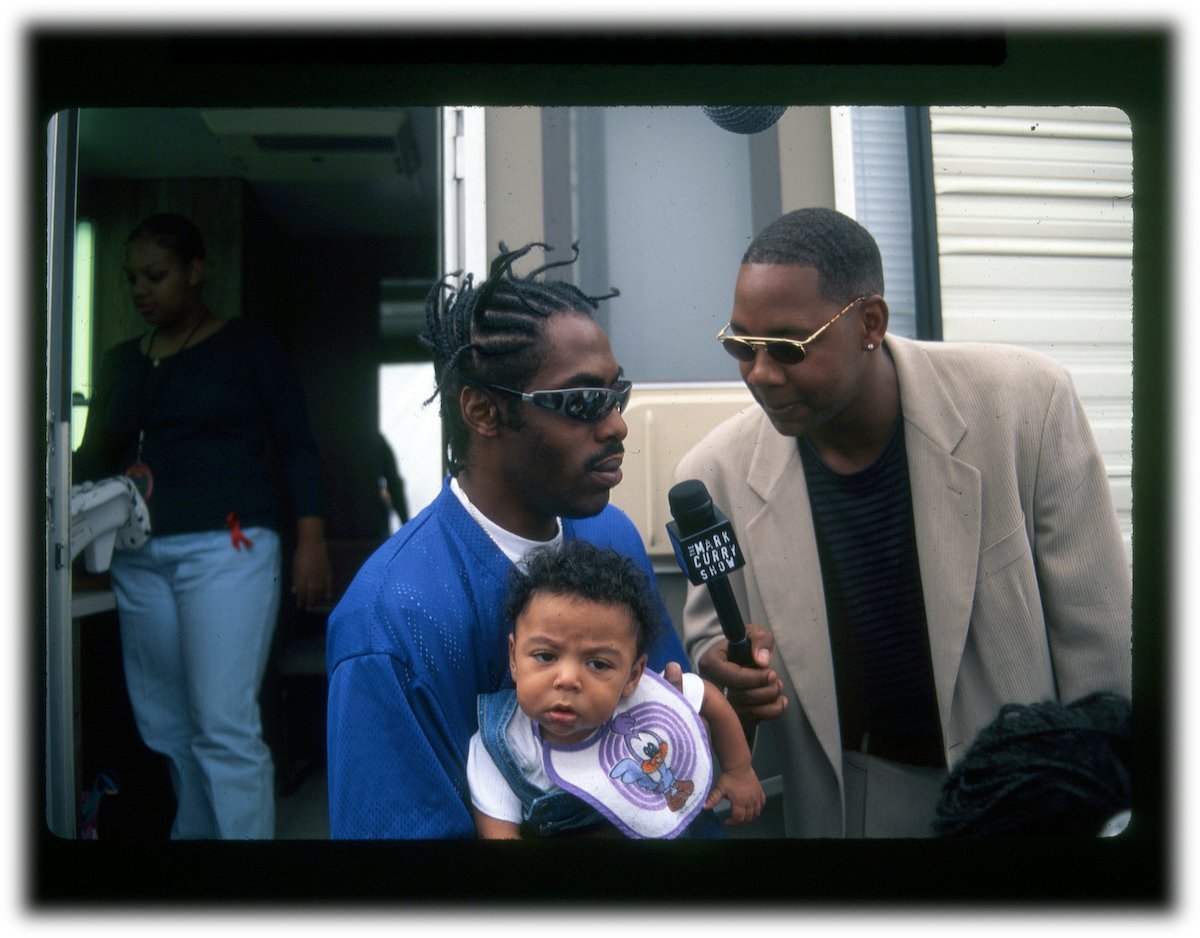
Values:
[(745, 794)]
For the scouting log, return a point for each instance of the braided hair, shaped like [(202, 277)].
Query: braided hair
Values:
[(842, 251), (491, 333), (1043, 769)]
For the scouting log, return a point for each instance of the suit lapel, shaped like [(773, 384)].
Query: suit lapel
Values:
[(947, 499), (783, 562)]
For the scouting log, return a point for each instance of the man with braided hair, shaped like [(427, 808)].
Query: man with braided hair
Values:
[(531, 401)]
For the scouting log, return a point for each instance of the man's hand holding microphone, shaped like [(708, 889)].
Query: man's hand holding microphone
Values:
[(707, 552)]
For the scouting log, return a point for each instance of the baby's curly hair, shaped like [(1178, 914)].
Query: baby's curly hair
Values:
[(585, 571)]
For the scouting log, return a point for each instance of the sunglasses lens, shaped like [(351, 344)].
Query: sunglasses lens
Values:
[(739, 350), (623, 393), (587, 405), (590, 404), (784, 353)]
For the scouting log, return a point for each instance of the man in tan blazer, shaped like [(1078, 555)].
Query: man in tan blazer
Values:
[(929, 534)]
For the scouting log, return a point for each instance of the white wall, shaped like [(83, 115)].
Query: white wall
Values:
[(413, 429)]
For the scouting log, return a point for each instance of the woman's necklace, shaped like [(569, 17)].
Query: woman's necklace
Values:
[(138, 471), (191, 335)]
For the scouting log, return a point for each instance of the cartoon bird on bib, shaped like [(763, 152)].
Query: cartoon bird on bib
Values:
[(649, 768)]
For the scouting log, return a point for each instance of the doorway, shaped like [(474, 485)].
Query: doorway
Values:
[(307, 215)]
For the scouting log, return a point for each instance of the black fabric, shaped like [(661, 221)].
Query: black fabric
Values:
[(867, 546), (217, 416), (1044, 769)]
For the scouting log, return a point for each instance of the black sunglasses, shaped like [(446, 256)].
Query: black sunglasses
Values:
[(785, 351), (587, 405)]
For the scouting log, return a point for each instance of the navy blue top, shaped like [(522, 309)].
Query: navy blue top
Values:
[(867, 544), (212, 415)]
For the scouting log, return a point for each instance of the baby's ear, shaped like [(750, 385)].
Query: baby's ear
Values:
[(635, 675), (512, 655)]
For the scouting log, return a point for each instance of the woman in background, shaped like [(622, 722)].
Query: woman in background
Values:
[(189, 411)]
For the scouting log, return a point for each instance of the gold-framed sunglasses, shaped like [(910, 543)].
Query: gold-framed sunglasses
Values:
[(785, 351)]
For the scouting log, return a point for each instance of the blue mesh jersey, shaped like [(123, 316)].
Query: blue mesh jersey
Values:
[(419, 635)]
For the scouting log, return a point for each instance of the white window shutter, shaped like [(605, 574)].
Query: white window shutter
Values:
[(1035, 243), (871, 164)]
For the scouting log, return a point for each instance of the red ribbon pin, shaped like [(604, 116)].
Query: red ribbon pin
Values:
[(235, 531)]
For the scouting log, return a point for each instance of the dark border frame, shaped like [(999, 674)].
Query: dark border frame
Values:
[(90, 65)]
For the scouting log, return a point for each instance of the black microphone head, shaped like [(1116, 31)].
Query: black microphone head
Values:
[(691, 505), (745, 120), (701, 536)]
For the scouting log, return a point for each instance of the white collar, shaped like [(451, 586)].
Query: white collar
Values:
[(513, 546)]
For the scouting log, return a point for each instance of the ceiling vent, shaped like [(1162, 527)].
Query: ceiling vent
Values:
[(308, 144)]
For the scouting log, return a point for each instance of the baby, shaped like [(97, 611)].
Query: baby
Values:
[(589, 739)]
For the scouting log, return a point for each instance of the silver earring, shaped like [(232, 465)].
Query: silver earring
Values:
[(870, 346)]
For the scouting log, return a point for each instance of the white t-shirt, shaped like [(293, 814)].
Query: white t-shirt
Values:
[(491, 794), (513, 546)]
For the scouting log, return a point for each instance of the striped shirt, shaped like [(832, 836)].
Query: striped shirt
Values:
[(868, 550)]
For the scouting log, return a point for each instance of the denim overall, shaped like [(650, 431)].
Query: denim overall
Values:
[(543, 814), (559, 812)]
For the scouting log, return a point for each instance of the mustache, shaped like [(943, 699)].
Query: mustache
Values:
[(613, 449)]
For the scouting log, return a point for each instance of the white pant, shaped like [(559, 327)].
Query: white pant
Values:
[(889, 799), (197, 618)]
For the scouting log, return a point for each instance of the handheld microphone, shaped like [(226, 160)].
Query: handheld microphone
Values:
[(708, 552)]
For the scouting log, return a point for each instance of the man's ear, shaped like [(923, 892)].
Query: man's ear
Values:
[(479, 411), (875, 319)]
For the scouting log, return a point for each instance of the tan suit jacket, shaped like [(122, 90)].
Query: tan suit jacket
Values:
[(1026, 579)]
